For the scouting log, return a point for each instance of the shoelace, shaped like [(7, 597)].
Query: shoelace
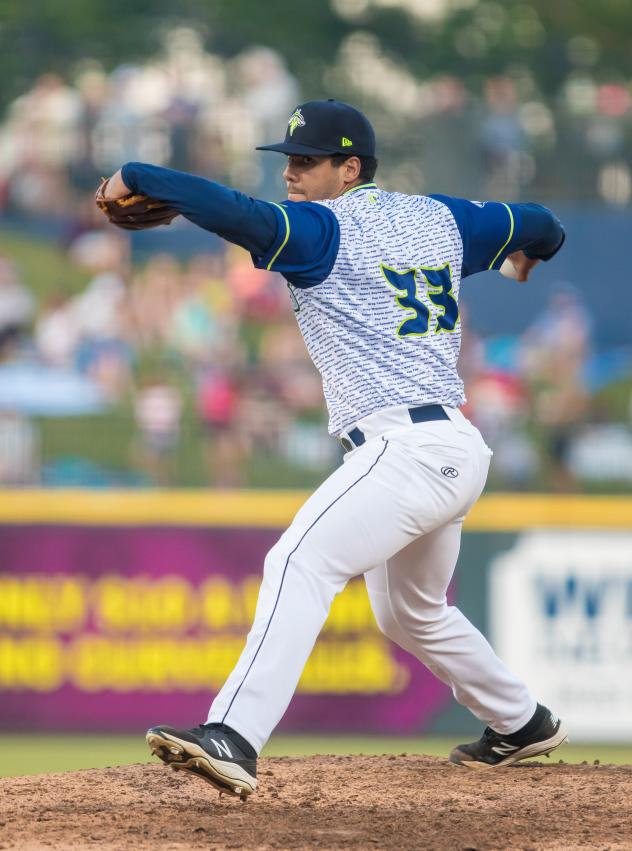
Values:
[(199, 731), (490, 735)]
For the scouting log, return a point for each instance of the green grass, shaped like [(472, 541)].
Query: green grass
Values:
[(39, 754), (43, 266)]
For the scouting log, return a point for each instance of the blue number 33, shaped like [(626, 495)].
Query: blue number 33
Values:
[(438, 283)]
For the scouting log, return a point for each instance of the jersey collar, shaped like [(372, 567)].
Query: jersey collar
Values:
[(361, 186)]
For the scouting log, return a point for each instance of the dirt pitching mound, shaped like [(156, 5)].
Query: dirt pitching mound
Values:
[(403, 802)]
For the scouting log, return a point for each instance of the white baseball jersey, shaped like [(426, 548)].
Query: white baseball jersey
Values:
[(383, 328)]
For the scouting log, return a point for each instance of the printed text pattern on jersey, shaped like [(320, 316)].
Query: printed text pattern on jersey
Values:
[(375, 327)]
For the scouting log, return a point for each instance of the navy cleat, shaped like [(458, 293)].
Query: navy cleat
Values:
[(542, 734), (214, 752)]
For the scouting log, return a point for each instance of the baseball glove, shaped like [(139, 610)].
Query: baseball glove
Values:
[(134, 212)]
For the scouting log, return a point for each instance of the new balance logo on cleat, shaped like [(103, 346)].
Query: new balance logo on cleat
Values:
[(222, 748), (504, 748), (542, 734), (229, 763)]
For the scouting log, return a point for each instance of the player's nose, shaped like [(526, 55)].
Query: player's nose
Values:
[(289, 174)]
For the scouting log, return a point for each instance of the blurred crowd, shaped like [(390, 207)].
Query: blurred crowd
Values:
[(203, 350), (202, 357), (192, 361), (506, 139), (189, 110), (193, 110)]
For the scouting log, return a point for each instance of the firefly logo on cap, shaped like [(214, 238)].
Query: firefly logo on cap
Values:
[(296, 120)]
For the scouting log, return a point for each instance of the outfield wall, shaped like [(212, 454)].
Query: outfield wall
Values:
[(122, 609)]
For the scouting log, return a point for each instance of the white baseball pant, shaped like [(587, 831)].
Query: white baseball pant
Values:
[(388, 512)]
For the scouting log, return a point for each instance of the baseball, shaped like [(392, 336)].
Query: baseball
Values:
[(508, 269)]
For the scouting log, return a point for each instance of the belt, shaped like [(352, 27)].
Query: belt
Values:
[(421, 414)]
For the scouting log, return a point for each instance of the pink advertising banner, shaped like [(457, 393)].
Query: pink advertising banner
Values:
[(117, 628)]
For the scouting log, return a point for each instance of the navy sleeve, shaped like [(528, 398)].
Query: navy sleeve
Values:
[(247, 222), (308, 237), (491, 230)]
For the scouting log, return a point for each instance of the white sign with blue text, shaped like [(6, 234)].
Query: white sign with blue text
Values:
[(561, 617)]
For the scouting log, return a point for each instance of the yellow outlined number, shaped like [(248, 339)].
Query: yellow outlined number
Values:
[(438, 281)]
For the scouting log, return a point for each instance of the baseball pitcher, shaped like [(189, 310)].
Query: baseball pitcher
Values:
[(374, 277)]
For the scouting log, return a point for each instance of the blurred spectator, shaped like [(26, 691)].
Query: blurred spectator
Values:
[(449, 147), (152, 299), (57, 332), (157, 412), (225, 451), (259, 293), (19, 450), (261, 420), (559, 339), (601, 451), (192, 330), (296, 384), (16, 306), (503, 139), (498, 404), (269, 94), (40, 141), (284, 358), (202, 327), (93, 87), (99, 312), (555, 350)]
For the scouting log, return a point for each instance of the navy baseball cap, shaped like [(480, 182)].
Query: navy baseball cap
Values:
[(321, 127)]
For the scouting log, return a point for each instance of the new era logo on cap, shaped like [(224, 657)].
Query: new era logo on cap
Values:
[(320, 127)]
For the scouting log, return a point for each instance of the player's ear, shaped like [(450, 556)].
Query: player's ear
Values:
[(352, 168)]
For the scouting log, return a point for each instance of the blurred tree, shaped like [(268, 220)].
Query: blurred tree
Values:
[(45, 35), (464, 37)]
